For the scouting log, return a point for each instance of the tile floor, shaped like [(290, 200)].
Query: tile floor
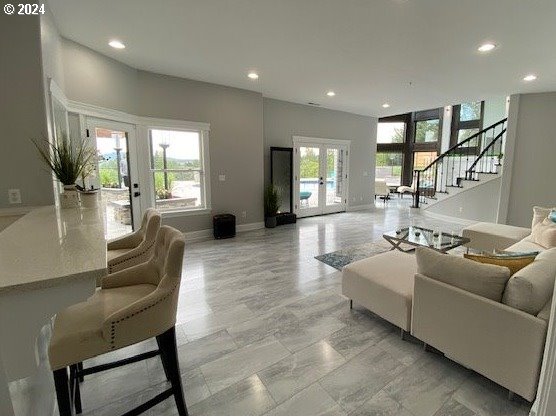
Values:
[(263, 329)]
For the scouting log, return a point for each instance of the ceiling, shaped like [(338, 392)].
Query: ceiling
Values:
[(413, 54)]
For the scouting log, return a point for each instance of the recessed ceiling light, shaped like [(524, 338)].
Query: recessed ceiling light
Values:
[(331, 94), (530, 77), (253, 75), (486, 47), (386, 105), (116, 44)]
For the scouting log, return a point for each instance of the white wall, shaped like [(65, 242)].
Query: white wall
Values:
[(533, 163), (479, 203), (283, 120), (22, 111)]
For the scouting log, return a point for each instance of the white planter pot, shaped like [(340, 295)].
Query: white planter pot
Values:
[(69, 198), (89, 199)]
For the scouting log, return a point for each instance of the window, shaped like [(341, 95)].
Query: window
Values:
[(391, 132), (178, 169), (467, 120), (426, 131), (389, 166), (422, 159)]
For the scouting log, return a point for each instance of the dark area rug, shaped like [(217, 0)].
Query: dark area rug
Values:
[(342, 257)]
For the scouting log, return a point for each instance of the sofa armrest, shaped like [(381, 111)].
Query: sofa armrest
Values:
[(502, 343)]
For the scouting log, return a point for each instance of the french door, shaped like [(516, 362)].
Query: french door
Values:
[(320, 176), (115, 174)]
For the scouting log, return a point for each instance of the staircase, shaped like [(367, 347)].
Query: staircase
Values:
[(476, 159)]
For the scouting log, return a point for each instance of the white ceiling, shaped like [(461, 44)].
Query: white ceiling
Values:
[(413, 54)]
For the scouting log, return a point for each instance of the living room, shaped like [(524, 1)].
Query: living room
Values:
[(257, 111)]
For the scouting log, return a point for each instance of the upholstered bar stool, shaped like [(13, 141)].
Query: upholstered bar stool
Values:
[(134, 248), (131, 306)]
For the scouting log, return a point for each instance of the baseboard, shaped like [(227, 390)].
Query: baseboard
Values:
[(361, 207), (206, 234), (249, 226), (459, 220)]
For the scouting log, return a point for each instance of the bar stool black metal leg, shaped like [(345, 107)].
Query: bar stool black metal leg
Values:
[(169, 353), (163, 359), (75, 391), (61, 383), (80, 369)]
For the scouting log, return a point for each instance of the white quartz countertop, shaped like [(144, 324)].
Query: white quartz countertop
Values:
[(50, 244)]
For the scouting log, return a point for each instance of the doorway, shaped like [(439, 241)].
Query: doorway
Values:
[(320, 176), (115, 174)]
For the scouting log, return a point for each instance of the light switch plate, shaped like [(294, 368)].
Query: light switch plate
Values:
[(14, 196)]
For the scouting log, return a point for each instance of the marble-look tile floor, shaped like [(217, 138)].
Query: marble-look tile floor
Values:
[(263, 330)]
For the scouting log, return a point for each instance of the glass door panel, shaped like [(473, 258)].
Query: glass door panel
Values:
[(335, 175), (115, 176), (320, 178), (309, 178)]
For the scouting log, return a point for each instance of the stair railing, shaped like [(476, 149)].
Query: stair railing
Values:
[(479, 153)]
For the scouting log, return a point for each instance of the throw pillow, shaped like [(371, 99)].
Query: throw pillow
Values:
[(539, 214), (485, 280), (544, 233), (530, 288), (513, 263)]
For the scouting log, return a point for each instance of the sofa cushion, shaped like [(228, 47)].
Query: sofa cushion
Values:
[(544, 233), (530, 288), (525, 245), (481, 279), (513, 262), (383, 284), (493, 236), (539, 214)]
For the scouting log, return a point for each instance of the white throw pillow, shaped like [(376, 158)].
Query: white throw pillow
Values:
[(539, 214), (485, 280), (544, 233), (530, 288)]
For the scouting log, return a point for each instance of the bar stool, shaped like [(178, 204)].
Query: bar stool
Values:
[(132, 305), (136, 247)]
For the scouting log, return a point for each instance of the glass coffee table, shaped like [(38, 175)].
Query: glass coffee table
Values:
[(415, 236)]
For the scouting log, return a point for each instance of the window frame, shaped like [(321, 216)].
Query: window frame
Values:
[(458, 125), (409, 146), (204, 172)]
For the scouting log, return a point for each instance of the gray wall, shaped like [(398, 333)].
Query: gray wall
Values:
[(235, 117), (479, 203), (236, 145), (95, 79), (534, 167), (282, 120), (22, 112)]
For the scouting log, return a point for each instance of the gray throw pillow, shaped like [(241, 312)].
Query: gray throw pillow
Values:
[(485, 280)]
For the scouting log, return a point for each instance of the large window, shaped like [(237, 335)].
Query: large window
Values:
[(178, 169), (426, 131), (389, 167), (467, 120), (406, 142), (390, 132)]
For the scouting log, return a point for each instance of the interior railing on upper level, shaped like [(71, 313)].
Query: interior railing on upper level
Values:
[(479, 153)]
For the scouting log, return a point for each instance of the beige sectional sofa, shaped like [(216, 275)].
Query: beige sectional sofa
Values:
[(499, 334)]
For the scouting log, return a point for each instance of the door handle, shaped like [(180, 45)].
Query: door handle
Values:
[(136, 194)]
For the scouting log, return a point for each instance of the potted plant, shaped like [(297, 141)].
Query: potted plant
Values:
[(68, 159), (500, 156), (271, 205)]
